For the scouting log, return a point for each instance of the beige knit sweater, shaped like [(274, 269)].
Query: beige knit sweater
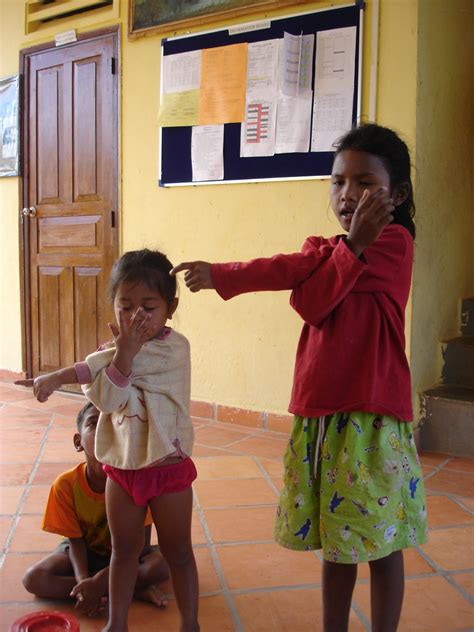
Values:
[(144, 418)]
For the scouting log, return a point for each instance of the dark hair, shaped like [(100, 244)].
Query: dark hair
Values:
[(82, 414), (150, 267), (393, 152)]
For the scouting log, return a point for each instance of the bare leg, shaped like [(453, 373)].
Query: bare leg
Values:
[(387, 583), (172, 517), (338, 585), (51, 578), (126, 522)]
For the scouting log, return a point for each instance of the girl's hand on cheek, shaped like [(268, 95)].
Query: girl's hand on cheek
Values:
[(372, 214)]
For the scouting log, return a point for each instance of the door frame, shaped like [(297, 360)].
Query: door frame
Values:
[(24, 249)]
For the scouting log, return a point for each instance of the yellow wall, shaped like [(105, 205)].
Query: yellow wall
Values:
[(243, 351), (444, 269), (11, 29)]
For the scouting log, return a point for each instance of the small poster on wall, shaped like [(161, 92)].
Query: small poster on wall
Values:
[(9, 126)]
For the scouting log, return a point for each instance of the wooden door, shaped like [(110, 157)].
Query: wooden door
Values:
[(70, 194)]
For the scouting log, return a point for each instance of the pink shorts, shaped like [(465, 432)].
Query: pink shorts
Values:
[(149, 482)]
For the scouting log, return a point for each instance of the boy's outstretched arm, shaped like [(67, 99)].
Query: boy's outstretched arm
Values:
[(45, 385), (197, 276)]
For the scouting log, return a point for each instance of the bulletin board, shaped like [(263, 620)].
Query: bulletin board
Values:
[(175, 154)]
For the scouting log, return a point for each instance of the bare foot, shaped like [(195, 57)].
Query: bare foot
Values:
[(152, 594)]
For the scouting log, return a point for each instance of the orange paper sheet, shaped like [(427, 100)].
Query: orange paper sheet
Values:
[(223, 84)]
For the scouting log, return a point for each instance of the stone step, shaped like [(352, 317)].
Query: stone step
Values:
[(458, 355), (447, 420), (467, 317)]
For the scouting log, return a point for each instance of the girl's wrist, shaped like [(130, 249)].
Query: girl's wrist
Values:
[(123, 361), (354, 247)]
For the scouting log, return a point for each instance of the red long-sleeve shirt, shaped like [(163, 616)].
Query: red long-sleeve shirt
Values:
[(351, 352)]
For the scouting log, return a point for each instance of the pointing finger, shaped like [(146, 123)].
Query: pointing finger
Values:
[(30, 382), (186, 265), (122, 320), (113, 329)]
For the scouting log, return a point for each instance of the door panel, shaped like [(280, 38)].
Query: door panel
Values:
[(73, 232), (54, 327), (85, 128), (71, 185), (48, 176), (88, 288)]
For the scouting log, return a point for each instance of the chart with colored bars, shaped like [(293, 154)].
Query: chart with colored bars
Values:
[(258, 122)]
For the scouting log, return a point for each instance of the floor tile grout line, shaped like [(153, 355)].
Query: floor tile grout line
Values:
[(248, 591), (28, 485), (365, 621), (458, 588), (278, 588), (444, 573), (455, 499), (447, 527), (225, 446), (462, 571), (267, 476), (436, 468), (246, 431), (254, 436), (229, 543), (271, 589), (422, 575), (235, 442), (250, 430), (229, 452), (238, 627), (227, 507), (229, 427)]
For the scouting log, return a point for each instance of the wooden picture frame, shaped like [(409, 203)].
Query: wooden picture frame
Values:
[(147, 17)]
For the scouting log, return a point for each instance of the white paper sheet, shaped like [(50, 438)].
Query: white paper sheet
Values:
[(207, 152), (182, 72), (293, 124), (257, 137), (257, 134), (262, 66), (333, 86), (296, 64)]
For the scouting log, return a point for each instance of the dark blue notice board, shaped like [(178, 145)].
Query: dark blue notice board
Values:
[(176, 165)]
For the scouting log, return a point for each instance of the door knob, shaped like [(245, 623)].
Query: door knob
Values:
[(28, 212)]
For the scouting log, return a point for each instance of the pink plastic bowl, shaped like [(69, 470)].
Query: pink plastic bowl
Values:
[(47, 621)]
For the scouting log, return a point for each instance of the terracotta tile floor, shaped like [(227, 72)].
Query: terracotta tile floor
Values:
[(247, 582)]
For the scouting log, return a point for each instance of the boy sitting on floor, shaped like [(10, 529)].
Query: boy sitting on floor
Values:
[(79, 567)]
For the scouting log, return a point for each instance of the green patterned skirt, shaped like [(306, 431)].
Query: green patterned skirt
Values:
[(353, 487)]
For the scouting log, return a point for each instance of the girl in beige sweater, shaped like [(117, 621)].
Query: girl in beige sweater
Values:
[(144, 437)]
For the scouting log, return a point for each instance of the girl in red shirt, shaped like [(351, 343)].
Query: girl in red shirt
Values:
[(352, 481)]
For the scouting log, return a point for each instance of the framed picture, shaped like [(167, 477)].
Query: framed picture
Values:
[(148, 16), (9, 126)]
